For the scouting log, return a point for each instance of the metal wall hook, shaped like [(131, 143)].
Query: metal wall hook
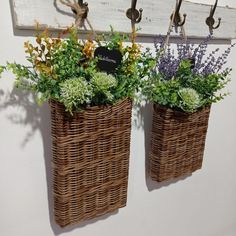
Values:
[(177, 21), (133, 14), (210, 21)]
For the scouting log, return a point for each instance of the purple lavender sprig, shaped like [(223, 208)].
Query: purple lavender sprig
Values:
[(204, 65)]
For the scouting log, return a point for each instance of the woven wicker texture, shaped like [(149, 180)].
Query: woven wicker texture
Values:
[(177, 142), (90, 161)]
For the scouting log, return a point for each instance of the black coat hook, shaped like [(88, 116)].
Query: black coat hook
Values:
[(210, 21), (177, 21), (133, 14)]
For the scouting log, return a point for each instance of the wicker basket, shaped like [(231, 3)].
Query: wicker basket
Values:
[(90, 161), (177, 142)]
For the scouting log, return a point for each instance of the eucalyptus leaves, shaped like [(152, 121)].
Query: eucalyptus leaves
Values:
[(66, 69)]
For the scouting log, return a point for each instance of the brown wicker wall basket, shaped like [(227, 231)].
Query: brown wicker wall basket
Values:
[(177, 142), (90, 161)]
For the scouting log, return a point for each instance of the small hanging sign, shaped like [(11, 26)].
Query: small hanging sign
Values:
[(108, 60)]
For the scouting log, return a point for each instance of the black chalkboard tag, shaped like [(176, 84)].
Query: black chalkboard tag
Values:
[(108, 60)]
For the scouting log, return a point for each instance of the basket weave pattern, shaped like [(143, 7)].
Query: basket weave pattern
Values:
[(177, 142), (90, 161)]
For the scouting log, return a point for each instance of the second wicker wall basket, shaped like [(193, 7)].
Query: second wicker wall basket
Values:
[(177, 142)]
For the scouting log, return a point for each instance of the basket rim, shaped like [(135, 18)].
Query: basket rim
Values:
[(178, 111), (92, 108)]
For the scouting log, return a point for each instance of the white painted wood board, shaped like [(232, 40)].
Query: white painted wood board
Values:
[(103, 13)]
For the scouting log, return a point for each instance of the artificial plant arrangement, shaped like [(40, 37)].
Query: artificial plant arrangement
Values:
[(187, 79), (72, 72), (183, 85), (90, 86)]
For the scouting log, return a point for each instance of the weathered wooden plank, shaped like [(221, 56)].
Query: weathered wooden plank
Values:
[(103, 13)]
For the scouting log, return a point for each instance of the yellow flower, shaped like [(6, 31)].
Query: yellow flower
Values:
[(88, 49), (120, 43)]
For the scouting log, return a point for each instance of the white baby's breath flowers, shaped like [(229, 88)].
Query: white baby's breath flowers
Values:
[(75, 92)]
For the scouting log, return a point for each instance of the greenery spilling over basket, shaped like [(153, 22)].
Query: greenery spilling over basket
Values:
[(66, 70), (182, 87), (187, 79)]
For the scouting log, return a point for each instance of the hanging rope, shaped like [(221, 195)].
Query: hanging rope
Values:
[(133, 34), (170, 29), (91, 28), (81, 11)]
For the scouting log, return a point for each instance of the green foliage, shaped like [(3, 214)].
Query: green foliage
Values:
[(66, 61), (209, 87), (135, 64), (60, 66), (25, 78), (2, 68), (112, 40), (75, 93), (184, 71), (165, 92), (102, 84), (65, 70)]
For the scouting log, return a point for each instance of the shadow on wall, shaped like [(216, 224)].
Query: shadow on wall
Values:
[(38, 119)]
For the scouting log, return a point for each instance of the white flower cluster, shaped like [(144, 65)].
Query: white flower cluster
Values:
[(77, 92), (191, 100)]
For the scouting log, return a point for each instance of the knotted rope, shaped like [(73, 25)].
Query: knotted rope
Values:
[(170, 29), (81, 13)]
